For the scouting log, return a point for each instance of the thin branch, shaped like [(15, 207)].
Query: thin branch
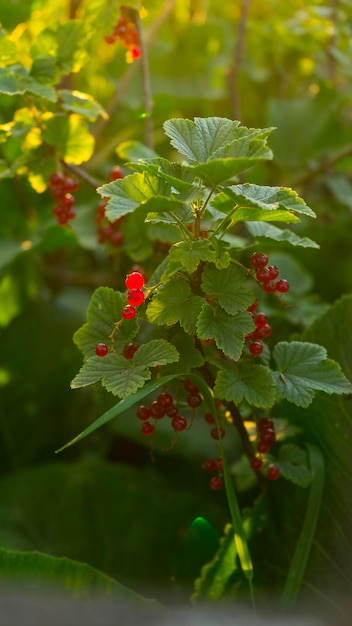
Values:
[(237, 60), (123, 84), (147, 91), (81, 173), (322, 166)]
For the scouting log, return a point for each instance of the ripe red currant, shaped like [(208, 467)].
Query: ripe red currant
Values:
[(143, 412), (70, 185), (263, 275), (260, 319), (253, 306), (255, 463), (215, 483), (218, 463), (55, 180), (282, 286), (209, 418), (274, 271), (129, 351), (172, 411), (165, 400), (101, 349), (209, 465), (265, 422), (217, 434), (258, 260), (128, 312), (255, 348), (135, 280), (190, 387), (263, 448), (270, 286), (135, 297), (267, 436), (194, 400), (273, 472), (156, 410), (179, 423), (147, 429), (116, 173)]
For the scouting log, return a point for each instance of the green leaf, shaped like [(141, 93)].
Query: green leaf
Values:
[(304, 369), (179, 175), (71, 40), (198, 140), (264, 232), (244, 381), (134, 191), (117, 374), (156, 352), (293, 464), (133, 150), (81, 103), (70, 136), (16, 80), (228, 286), (215, 575), (44, 70), (174, 302), (38, 569), (103, 312), (191, 253), (268, 198), (189, 357), (223, 204), (227, 330)]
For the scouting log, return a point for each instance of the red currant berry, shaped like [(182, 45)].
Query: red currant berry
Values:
[(135, 280), (143, 412), (215, 483), (263, 448), (128, 312), (190, 387), (179, 423), (116, 173), (274, 271), (135, 297), (156, 410), (101, 349), (255, 348), (57, 193), (209, 465), (273, 473), (55, 180), (265, 422), (165, 400), (267, 436), (194, 401), (70, 214), (147, 429), (269, 287), (218, 463), (209, 418), (129, 351), (258, 260), (217, 434), (266, 330), (70, 185), (172, 411), (68, 200), (110, 39), (260, 319), (282, 286), (257, 334), (255, 463), (263, 275)]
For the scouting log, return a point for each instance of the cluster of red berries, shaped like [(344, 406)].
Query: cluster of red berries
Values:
[(62, 188), (194, 399), (125, 30), (159, 408), (211, 465), (109, 232), (135, 296), (262, 330), (266, 437), (267, 274)]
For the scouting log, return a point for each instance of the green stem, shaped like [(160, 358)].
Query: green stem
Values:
[(223, 222), (181, 226), (147, 91)]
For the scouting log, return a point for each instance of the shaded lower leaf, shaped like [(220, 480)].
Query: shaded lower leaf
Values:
[(244, 381), (227, 330)]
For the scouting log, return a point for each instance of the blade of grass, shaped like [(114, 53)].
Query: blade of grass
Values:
[(300, 558)]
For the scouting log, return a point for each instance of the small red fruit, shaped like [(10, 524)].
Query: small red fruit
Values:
[(270, 286), (282, 286), (215, 483), (263, 275), (135, 280), (179, 423), (273, 472), (274, 271), (143, 412), (217, 434), (260, 319), (156, 410), (209, 418), (209, 465), (116, 173), (194, 400), (190, 387), (135, 297), (147, 429), (128, 312), (255, 463), (101, 349), (258, 260), (129, 351), (255, 348)]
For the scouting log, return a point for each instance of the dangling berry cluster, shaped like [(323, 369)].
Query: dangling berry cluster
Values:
[(262, 331), (194, 399), (266, 437), (107, 232), (125, 30), (211, 465), (62, 188), (159, 408), (135, 296), (267, 274)]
